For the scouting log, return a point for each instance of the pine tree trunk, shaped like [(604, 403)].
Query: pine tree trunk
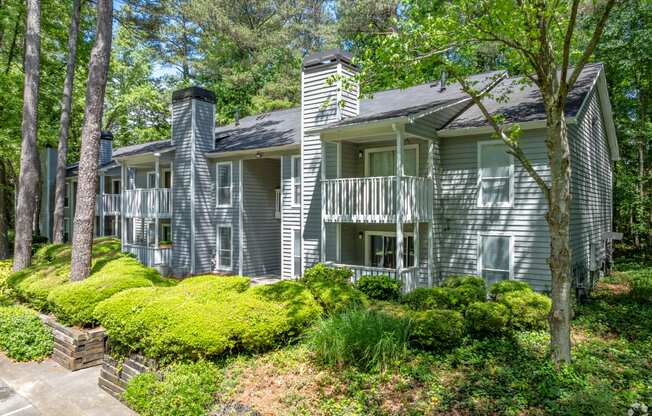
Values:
[(558, 218), (4, 211), (29, 170), (82, 240), (64, 125)]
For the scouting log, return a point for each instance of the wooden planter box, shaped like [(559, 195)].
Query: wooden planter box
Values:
[(115, 375), (76, 348)]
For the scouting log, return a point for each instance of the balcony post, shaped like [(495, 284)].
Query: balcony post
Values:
[(100, 206), (157, 184), (431, 218), (123, 205), (322, 245), (398, 195)]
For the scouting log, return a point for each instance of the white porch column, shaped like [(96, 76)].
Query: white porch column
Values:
[(430, 230), (123, 203), (400, 138), (157, 185), (99, 201), (322, 245), (338, 229), (417, 253)]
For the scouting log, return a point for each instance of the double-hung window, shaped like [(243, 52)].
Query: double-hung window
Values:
[(381, 249), (381, 161), (296, 180), (495, 175), (224, 248), (224, 184), (495, 257)]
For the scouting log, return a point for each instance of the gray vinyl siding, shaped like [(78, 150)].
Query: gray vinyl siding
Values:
[(205, 230), (463, 219), (106, 151), (262, 231), (48, 160), (591, 185), (290, 216), (181, 224)]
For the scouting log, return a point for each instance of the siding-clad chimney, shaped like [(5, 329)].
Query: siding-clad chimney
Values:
[(329, 94), (106, 147), (193, 134)]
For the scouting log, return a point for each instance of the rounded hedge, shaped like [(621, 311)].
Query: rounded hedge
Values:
[(381, 287), (428, 298), (336, 296), (529, 310), (464, 280), (506, 286), (465, 294), (486, 318), (206, 317), (437, 329), (320, 272)]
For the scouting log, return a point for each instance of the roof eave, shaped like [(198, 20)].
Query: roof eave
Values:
[(469, 131), (247, 152)]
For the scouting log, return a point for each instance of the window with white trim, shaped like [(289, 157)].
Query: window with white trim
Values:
[(494, 257), (296, 180), (224, 183), (381, 161), (224, 247), (296, 252), (495, 175), (381, 249), (151, 180)]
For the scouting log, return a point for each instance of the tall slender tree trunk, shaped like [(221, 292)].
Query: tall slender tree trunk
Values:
[(29, 170), (82, 240), (12, 48), (4, 211), (558, 218), (64, 125)]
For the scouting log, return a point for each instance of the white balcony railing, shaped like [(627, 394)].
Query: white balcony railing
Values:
[(151, 202), (408, 276), (108, 204), (373, 199), (150, 256)]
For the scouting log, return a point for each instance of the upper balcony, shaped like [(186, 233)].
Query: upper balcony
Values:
[(373, 199), (148, 202), (108, 204)]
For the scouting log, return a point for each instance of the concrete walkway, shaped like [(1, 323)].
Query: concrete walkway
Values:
[(32, 389)]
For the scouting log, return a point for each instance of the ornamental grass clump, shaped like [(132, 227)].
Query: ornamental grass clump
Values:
[(366, 339), (207, 316), (23, 337)]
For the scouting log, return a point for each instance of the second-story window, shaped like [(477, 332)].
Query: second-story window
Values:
[(495, 175), (224, 183), (296, 180)]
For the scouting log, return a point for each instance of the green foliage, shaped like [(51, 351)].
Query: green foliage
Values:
[(437, 329), (463, 295), (321, 272), (73, 302), (366, 339), (428, 298), (23, 337), (6, 296), (380, 287), (505, 286), (184, 390), (486, 318), (529, 310), (206, 316), (336, 296), (464, 280), (640, 282)]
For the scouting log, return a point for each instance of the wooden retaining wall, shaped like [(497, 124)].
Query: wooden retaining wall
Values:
[(115, 375), (76, 348)]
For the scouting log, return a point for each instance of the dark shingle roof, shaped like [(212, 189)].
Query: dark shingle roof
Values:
[(143, 148), (523, 101), (277, 128)]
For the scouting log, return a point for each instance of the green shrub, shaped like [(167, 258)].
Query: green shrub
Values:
[(380, 287), (463, 295), (464, 280), (486, 318), (73, 302), (429, 298), (184, 390), (506, 286), (336, 296), (529, 310), (640, 282), (206, 317), (321, 272), (6, 295), (23, 337), (437, 329), (361, 338)]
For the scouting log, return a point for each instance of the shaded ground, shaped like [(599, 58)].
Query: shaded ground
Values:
[(48, 389)]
